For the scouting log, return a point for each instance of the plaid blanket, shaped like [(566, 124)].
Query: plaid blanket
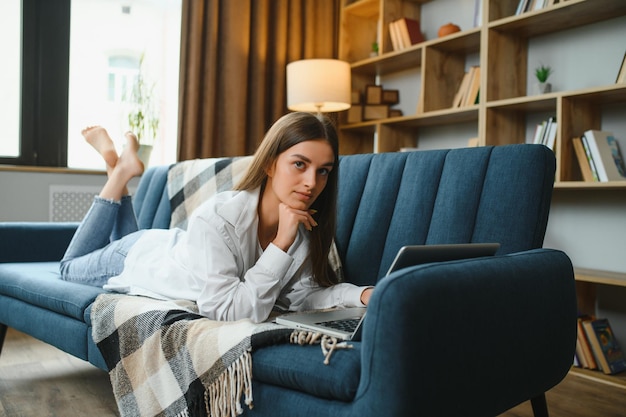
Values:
[(190, 183), (164, 359)]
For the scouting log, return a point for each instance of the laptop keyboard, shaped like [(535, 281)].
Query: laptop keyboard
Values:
[(346, 325)]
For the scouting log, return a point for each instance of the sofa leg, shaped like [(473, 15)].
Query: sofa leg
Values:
[(540, 406), (3, 333)]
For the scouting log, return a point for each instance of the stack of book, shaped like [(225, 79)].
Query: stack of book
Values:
[(545, 133), (467, 94), (596, 346), (529, 5), (404, 33), (599, 156)]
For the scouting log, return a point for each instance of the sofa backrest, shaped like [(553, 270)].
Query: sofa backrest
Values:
[(486, 194)]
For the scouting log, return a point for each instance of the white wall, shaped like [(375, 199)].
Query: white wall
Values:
[(26, 194)]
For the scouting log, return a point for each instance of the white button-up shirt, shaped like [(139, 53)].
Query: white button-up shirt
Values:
[(218, 263)]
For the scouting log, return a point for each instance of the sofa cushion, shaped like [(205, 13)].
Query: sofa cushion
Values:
[(40, 284), (301, 368)]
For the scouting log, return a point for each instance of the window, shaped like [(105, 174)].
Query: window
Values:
[(10, 12), (79, 59), (113, 45)]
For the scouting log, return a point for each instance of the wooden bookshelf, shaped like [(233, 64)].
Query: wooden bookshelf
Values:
[(586, 282), (502, 47)]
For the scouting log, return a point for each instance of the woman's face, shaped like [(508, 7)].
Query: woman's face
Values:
[(299, 174)]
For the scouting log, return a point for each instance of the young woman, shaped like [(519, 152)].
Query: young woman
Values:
[(264, 245)]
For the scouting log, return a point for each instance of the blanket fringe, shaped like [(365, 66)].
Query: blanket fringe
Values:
[(223, 396), (327, 343)]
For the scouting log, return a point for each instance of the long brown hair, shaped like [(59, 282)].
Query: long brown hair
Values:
[(286, 132)]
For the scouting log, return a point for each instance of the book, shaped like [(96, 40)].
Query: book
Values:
[(521, 7), (539, 128), (545, 133), (588, 358), (549, 137), (410, 32), (602, 155), (393, 34), (604, 345), (474, 86), (617, 155), (583, 162), (460, 94), (592, 165), (537, 5), (579, 355)]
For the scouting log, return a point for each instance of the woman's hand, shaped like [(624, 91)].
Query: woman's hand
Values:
[(289, 220), (366, 294)]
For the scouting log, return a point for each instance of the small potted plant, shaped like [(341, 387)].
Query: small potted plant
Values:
[(143, 117), (542, 72)]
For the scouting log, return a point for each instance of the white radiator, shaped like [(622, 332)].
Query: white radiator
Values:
[(69, 203)]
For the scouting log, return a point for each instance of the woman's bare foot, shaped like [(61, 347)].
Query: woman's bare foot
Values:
[(129, 157), (128, 166), (98, 137)]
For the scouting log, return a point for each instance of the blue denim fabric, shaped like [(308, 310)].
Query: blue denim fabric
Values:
[(102, 241)]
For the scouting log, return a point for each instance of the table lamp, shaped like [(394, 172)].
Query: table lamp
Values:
[(318, 85)]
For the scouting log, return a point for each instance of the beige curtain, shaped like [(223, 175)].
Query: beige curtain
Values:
[(233, 63)]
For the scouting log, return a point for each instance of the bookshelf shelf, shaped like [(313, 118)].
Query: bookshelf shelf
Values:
[(389, 62), (544, 102), (618, 380), (558, 17), (580, 185), (465, 41), (431, 118), (600, 277)]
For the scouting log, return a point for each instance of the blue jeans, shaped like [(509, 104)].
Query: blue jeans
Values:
[(101, 242)]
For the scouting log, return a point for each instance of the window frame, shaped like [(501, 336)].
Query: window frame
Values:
[(44, 84)]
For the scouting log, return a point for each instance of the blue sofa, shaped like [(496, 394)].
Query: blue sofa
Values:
[(462, 338)]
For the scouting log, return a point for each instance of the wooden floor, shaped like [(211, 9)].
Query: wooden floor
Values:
[(37, 379)]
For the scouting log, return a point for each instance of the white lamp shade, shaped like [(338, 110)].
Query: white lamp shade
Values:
[(318, 85)]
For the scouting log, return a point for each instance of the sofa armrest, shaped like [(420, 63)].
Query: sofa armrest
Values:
[(470, 337), (34, 241)]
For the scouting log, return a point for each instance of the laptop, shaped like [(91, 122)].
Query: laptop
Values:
[(346, 323)]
